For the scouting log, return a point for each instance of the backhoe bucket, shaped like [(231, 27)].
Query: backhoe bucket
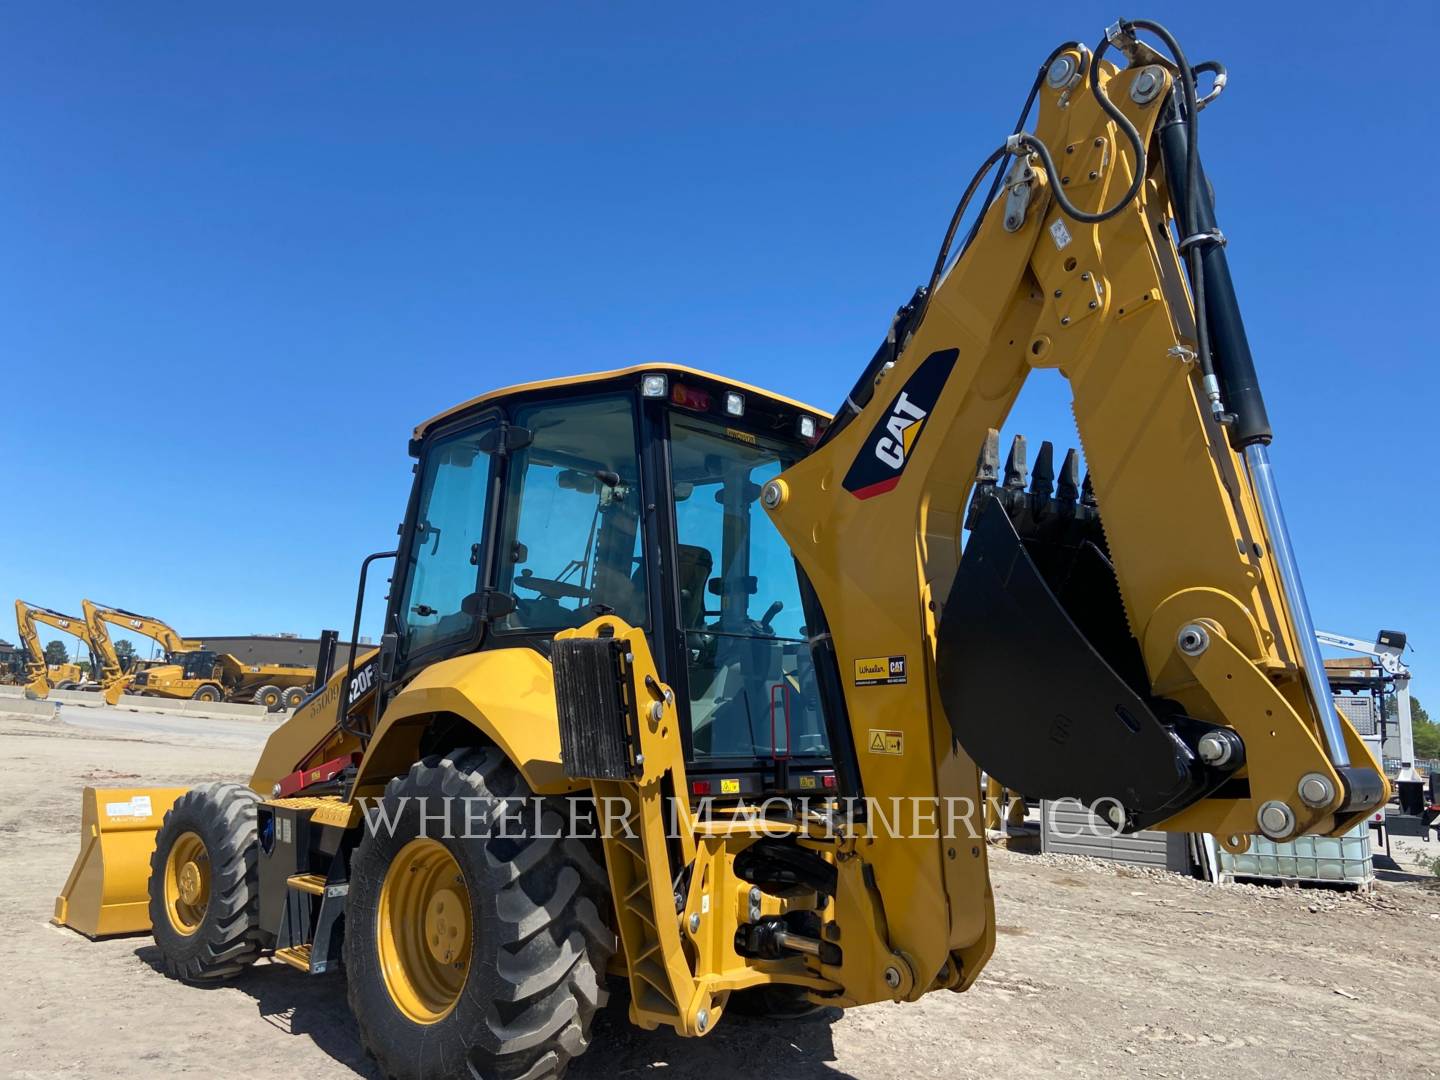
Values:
[(1042, 683), (107, 892)]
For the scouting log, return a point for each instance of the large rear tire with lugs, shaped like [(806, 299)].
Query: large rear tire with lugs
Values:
[(271, 697), (472, 949), (205, 884)]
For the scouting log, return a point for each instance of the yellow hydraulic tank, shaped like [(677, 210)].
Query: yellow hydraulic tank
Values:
[(107, 891)]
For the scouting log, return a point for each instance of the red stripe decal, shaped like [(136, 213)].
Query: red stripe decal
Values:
[(876, 489)]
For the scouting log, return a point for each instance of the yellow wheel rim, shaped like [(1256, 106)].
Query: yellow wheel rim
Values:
[(187, 883), (423, 931)]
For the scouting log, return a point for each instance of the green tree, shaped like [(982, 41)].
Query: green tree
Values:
[(126, 653), (1427, 734), (56, 653)]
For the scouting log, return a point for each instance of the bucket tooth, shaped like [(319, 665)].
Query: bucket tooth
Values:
[(1016, 470), (987, 467), (1087, 493), (1067, 489), (1042, 474)]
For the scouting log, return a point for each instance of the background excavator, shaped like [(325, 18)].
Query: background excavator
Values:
[(115, 677), (688, 684), (41, 677), (189, 669)]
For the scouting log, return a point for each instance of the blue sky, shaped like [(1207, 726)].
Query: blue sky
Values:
[(244, 248)]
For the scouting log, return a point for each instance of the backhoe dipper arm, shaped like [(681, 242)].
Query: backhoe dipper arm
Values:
[(1162, 669)]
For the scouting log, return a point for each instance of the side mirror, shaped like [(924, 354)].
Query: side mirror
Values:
[(488, 604), (389, 646)]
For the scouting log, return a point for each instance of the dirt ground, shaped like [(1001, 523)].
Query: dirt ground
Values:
[(1099, 970)]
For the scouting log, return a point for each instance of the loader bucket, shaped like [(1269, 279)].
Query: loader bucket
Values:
[(107, 892)]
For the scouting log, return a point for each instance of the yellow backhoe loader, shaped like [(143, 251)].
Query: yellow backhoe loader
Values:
[(687, 684), (41, 676), (115, 678)]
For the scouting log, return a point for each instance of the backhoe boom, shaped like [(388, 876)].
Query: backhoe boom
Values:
[(1158, 667)]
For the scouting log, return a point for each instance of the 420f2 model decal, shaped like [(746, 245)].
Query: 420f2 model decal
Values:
[(882, 458)]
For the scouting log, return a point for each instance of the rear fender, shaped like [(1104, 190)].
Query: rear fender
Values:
[(506, 695)]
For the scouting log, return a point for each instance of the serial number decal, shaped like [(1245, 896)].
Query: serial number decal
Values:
[(880, 671), (882, 458)]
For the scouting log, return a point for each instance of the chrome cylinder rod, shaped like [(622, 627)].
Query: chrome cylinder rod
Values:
[(1262, 477)]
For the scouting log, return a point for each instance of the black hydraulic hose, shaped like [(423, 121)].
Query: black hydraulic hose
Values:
[(995, 155), (907, 319), (1192, 186), (910, 316), (1020, 127), (1030, 142)]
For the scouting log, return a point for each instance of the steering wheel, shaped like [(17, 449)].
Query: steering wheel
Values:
[(550, 587)]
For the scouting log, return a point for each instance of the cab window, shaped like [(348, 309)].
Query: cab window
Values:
[(572, 549), (753, 691), (447, 545)]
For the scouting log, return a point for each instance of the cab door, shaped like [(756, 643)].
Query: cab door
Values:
[(446, 554)]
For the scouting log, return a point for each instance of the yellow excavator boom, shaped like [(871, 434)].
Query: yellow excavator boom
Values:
[(40, 678), (114, 679)]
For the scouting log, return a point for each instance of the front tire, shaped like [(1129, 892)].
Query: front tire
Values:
[(512, 989), (205, 884), (208, 692)]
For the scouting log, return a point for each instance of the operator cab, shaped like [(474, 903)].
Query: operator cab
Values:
[(196, 665), (635, 494)]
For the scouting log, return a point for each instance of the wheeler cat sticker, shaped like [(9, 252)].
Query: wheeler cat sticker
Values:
[(880, 671), (882, 458)]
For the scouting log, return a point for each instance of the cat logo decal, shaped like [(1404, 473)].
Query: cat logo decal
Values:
[(881, 461)]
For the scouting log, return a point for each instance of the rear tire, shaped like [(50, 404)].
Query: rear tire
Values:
[(293, 696), (531, 974), (208, 692), (270, 697), (205, 884)]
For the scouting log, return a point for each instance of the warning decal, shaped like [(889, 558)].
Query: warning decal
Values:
[(887, 742), (880, 671)]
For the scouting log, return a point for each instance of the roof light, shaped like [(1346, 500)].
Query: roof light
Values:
[(654, 386), (734, 403), (807, 427)]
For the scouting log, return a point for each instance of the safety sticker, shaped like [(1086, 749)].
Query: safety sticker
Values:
[(729, 787), (807, 782), (887, 742), (880, 671), (1060, 234), (138, 806)]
